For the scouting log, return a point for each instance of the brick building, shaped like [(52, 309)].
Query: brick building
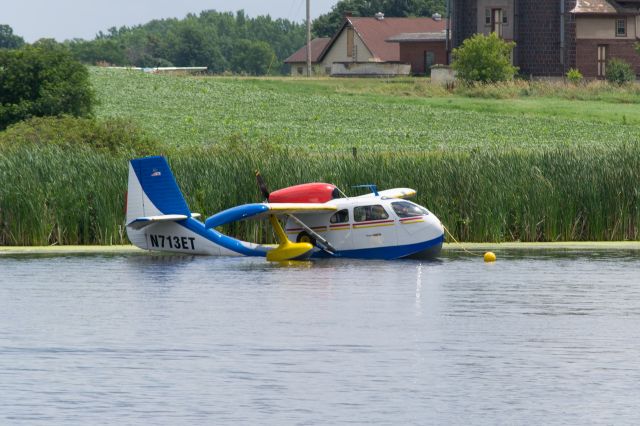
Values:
[(554, 35), (422, 50)]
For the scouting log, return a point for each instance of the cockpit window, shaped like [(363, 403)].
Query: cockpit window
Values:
[(408, 209), (341, 216), (364, 213)]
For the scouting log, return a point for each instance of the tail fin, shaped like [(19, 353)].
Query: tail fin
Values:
[(153, 190)]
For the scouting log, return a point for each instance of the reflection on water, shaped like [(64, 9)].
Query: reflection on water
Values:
[(538, 337)]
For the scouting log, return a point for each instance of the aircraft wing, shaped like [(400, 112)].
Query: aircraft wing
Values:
[(290, 208), (259, 210), (394, 193)]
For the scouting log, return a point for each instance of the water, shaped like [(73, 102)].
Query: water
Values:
[(536, 338)]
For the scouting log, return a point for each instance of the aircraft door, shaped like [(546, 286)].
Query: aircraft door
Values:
[(373, 227), (339, 232)]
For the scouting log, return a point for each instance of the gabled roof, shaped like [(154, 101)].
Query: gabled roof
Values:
[(317, 46), (374, 33), (601, 7)]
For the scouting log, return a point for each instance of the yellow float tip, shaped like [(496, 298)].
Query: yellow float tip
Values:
[(490, 256)]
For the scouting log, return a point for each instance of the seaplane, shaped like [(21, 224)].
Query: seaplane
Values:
[(320, 221)]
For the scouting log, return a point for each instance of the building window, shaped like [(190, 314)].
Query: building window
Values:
[(490, 17), (621, 27), (300, 70)]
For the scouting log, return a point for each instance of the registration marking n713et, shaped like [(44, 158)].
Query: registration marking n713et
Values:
[(172, 242)]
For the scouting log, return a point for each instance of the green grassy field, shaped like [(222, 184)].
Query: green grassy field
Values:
[(328, 115), (495, 164)]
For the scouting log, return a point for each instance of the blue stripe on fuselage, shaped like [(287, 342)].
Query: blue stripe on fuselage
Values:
[(384, 253)]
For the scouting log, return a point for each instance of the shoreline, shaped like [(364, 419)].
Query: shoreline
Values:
[(448, 247)]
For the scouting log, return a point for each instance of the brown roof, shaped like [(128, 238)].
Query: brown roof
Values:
[(317, 46), (600, 7), (374, 33)]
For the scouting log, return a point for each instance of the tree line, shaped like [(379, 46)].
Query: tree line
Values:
[(221, 41)]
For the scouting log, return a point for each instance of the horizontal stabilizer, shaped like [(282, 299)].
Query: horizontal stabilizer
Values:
[(141, 222)]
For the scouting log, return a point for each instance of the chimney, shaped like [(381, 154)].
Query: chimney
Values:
[(436, 17), (379, 16), (347, 15)]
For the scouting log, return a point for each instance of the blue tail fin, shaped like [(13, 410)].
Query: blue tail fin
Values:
[(153, 189)]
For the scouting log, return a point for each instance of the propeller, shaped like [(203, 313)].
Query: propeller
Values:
[(262, 185)]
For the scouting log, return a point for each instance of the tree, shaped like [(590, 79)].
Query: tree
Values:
[(42, 80), (252, 57), (8, 40), (189, 44), (328, 24), (99, 50), (485, 59)]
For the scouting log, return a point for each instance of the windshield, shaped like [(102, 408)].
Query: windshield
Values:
[(408, 209)]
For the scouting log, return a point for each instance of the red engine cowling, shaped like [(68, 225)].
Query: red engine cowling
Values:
[(305, 193)]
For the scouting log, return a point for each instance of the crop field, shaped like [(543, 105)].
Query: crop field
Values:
[(493, 170), (325, 116)]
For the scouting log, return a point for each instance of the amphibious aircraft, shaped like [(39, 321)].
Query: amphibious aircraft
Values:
[(320, 218)]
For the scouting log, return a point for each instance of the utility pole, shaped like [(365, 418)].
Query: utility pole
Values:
[(308, 39), (448, 41)]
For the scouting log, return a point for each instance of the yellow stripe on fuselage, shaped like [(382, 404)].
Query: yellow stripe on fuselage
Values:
[(408, 222), (372, 226)]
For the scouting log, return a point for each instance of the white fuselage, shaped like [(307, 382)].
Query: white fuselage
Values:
[(356, 229)]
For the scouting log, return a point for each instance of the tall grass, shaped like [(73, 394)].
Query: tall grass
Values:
[(51, 196)]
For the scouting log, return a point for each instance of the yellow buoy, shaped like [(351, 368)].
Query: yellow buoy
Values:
[(489, 256)]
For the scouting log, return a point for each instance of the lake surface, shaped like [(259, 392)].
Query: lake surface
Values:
[(536, 338)]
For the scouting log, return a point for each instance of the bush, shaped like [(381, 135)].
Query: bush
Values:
[(109, 136), (485, 59), (619, 71), (42, 80), (574, 76)]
